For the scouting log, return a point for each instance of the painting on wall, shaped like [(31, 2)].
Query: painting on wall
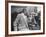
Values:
[(25, 18)]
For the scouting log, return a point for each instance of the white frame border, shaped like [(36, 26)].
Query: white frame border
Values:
[(22, 32)]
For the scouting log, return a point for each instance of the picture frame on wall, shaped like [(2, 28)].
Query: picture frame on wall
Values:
[(24, 18)]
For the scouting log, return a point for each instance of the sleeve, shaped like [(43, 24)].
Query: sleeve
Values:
[(15, 23)]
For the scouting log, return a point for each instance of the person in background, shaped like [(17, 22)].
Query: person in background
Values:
[(31, 20)]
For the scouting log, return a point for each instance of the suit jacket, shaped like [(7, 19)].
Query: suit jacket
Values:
[(20, 23)]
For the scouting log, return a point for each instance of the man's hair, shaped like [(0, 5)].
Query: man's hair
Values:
[(22, 11)]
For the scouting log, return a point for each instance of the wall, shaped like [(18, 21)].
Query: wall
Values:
[(2, 19)]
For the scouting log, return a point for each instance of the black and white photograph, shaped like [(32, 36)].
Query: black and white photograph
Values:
[(25, 18)]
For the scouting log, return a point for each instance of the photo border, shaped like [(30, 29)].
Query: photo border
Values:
[(6, 17)]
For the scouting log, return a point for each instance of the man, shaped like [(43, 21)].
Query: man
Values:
[(20, 23)]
